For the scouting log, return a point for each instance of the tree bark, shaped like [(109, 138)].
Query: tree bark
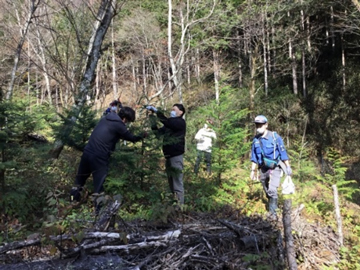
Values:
[(216, 74)]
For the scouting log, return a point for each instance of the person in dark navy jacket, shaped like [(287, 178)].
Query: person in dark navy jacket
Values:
[(96, 155), (173, 131), (267, 154)]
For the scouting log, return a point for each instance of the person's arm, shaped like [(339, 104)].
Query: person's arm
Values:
[(198, 135), (173, 123), (283, 154)]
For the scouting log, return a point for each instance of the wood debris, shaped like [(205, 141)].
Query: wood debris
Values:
[(224, 240)]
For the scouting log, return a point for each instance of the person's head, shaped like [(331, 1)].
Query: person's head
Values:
[(114, 106), (261, 124), (127, 114), (177, 110)]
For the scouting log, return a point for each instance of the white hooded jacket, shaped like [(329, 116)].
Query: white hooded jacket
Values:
[(204, 138)]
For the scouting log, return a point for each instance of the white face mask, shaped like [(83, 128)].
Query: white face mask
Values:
[(260, 130), (114, 108), (173, 114)]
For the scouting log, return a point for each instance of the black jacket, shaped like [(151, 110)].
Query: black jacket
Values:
[(106, 134), (174, 131)]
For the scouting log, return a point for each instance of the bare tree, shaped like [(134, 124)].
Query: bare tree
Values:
[(24, 27), (107, 10), (187, 19)]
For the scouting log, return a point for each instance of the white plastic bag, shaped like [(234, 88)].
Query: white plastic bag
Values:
[(288, 186)]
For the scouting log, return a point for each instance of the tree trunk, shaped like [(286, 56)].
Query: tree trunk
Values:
[(293, 67), (252, 59), (343, 62), (338, 215), (114, 75), (24, 30), (186, 22), (216, 74), (197, 65), (105, 14), (265, 63), (303, 57)]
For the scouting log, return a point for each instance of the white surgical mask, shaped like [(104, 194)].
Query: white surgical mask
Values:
[(173, 114), (260, 130), (113, 108)]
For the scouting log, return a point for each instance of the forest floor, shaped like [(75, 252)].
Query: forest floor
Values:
[(225, 239)]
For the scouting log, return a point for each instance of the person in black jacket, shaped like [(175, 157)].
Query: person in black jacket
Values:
[(173, 131), (96, 155)]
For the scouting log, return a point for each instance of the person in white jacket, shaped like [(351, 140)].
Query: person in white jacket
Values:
[(204, 138)]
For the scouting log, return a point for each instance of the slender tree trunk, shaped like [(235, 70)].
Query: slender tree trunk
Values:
[(252, 59), (28, 74), (175, 66), (293, 67), (97, 87), (338, 215), (188, 70), (144, 74), (216, 74), (239, 52), (343, 62), (114, 76), (197, 65), (265, 63), (332, 28), (134, 75), (303, 60), (24, 30), (40, 53)]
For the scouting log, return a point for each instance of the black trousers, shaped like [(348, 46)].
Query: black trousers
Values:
[(199, 158), (98, 167)]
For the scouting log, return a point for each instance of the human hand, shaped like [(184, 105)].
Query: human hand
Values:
[(288, 170), (151, 108), (252, 175)]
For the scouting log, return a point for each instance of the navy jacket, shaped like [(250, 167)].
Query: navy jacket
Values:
[(106, 134), (174, 131)]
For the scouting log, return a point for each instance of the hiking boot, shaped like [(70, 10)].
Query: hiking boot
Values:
[(75, 194), (272, 205), (271, 216)]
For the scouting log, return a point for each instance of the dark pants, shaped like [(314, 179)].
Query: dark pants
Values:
[(199, 158), (92, 164)]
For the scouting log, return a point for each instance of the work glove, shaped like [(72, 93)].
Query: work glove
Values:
[(253, 175), (288, 170), (151, 108)]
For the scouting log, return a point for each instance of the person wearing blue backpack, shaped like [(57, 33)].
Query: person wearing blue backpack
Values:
[(269, 156)]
